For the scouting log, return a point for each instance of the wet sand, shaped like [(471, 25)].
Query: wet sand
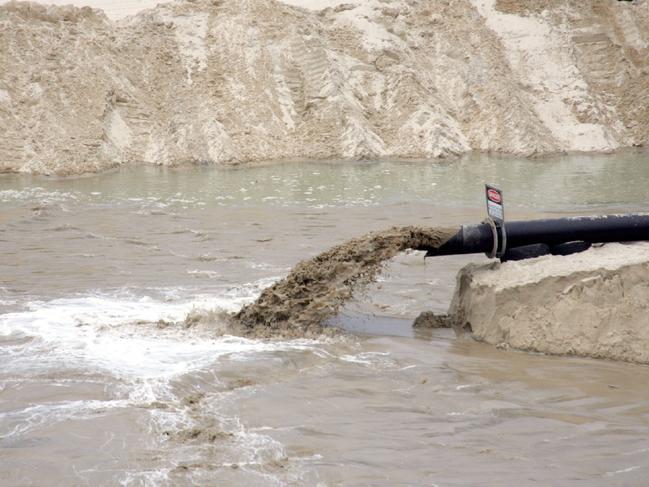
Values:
[(316, 288), (591, 304)]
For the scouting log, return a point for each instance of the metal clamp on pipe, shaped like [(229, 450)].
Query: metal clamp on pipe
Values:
[(499, 235), (503, 242)]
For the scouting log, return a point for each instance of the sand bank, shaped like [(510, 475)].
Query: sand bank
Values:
[(235, 81), (595, 303)]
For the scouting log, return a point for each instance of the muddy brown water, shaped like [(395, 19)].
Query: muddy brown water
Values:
[(103, 383)]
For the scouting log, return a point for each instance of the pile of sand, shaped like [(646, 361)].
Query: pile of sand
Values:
[(231, 81), (316, 288), (595, 303)]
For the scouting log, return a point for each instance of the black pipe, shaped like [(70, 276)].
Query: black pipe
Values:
[(475, 239)]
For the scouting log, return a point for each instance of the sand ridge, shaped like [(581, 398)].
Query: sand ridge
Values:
[(235, 81)]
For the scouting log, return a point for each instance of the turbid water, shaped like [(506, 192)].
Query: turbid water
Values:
[(103, 381)]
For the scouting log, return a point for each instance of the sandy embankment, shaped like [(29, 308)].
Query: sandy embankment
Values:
[(233, 81), (595, 303)]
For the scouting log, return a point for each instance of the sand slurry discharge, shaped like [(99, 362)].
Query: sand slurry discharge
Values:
[(588, 304), (316, 288)]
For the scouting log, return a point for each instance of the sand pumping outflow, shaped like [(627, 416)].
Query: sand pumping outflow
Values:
[(315, 289)]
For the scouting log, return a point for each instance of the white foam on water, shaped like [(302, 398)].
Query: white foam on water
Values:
[(39, 194), (153, 477), (116, 335), (27, 419), (115, 338), (204, 273)]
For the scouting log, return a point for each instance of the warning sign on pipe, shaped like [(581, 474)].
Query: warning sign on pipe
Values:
[(495, 208)]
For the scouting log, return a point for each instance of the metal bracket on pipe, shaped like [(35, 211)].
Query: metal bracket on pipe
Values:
[(499, 239), (494, 233), (502, 248)]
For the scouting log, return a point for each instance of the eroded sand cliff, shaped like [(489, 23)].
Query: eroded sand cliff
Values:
[(229, 81), (594, 303)]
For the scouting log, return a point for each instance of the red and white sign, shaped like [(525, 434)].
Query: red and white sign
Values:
[(495, 204), (494, 195)]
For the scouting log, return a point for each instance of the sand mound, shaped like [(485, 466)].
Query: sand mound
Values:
[(594, 304), (316, 288), (231, 81)]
